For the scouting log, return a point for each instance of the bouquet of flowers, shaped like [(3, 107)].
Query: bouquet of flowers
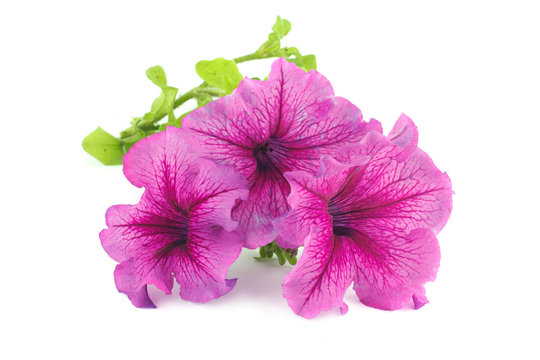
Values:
[(275, 164)]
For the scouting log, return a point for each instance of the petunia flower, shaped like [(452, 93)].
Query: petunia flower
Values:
[(266, 128), (371, 219), (181, 228)]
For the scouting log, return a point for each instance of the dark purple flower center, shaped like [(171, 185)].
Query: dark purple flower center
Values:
[(341, 225), (263, 156), (345, 222), (177, 230), (269, 157)]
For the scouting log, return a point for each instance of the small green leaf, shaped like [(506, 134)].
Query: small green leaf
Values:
[(272, 46), (288, 257), (306, 62), (290, 51), (281, 27), (293, 260), (219, 73), (164, 103), (104, 147), (157, 75), (281, 258)]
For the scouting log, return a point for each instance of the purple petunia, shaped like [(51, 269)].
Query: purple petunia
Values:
[(370, 219), (266, 128), (182, 226)]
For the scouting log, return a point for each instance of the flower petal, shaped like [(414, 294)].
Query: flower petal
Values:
[(266, 201), (322, 275), (201, 269), (214, 192), (301, 111), (161, 163), (411, 193), (404, 134), (309, 198), (126, 282), (390, 270), (111, 239)]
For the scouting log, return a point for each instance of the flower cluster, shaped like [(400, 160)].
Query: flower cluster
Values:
[(285, 160)]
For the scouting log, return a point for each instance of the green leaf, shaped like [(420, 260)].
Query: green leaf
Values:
[(164, 104), (157, 75), (289, 51), (281, 258), (281, 27), (306, 62), (219, 73), (104, 147), (272, 46), (293, 260)]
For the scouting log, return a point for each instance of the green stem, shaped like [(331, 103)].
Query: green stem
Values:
[(193, 93), (241, 59), (201, 89)]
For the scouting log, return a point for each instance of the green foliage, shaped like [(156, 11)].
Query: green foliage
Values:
[(283, 255), (176, 123), (219, 73), (131, 140), (104, 147), (156, 74), (281, 27), (164, 104), (220, 77), (272, 46), (306, 62), (203, 99)]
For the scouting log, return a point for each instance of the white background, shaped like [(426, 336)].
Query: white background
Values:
[(468, 74)]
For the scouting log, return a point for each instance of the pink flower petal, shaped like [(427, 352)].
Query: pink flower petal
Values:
[(201, 269), (411, 191), (322, 275), (309, 207), (112, 241), (125, 279), (390, 270), (404, 134)]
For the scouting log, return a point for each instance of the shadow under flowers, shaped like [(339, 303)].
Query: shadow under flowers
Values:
[(258, 281)]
